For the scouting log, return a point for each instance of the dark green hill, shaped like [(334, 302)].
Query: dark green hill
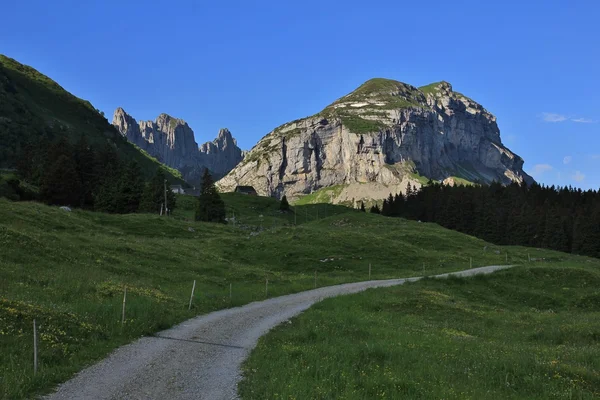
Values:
[(33, 106)]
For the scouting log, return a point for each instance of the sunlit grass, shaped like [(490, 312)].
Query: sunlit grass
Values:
[(523, 333), (69, 271)]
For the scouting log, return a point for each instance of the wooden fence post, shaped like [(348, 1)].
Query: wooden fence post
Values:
[(124, 301), (35, 349), (192, 295)]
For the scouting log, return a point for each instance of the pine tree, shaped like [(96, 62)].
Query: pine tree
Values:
[(284, 205), (60, 182), (84, 158), (105, 190), (130, 188), (362, 206), (398, 205), (210, 206), (385, 208), (153, 197), (375, 209)]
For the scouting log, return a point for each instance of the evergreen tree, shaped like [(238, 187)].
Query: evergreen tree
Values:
[(60, 182), (210, 206), (555, 236), (84, 158), (362, 206), (397, 209), (153, 197), (284, 205), (105, 190), (386, 208), (130, 188), (375, 209), (564, 219)]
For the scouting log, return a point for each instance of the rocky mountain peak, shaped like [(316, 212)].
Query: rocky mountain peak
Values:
[(225, 138), (125, 124), (172, 142), (377, 139)]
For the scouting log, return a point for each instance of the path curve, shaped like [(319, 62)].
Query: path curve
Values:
[(201, 358)]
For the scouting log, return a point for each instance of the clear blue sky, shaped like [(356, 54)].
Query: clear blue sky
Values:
[(253, 65)]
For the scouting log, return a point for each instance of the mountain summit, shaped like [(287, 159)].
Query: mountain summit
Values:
[(379, 138), (171, 141)]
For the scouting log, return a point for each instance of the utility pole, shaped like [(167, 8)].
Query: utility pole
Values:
[(166, 207)]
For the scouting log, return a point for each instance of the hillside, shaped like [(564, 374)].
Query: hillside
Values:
[(530, 332), (68, 270), (378, 139), (33, 106)]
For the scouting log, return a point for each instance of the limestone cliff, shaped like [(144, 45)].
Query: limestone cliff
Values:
[(172, 142), (376, 140)]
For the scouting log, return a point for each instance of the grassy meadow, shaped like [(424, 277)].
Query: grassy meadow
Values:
[(68, 270), (529, 332)]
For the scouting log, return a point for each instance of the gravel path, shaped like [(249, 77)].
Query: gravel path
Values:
[(201, 358)]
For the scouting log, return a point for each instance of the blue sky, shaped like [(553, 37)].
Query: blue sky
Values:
[(253, 65)]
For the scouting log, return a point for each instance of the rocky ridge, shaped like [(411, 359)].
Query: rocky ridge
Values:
[(171, 141), (378, 139)]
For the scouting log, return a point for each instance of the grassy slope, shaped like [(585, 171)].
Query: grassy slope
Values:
[(320, 196), (526, 333), (30, 100), (68, 271)]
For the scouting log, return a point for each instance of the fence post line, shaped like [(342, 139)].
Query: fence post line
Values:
[(124, 301), (35, 349), (192, 295)]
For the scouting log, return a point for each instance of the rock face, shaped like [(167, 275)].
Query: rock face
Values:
[(385, 135), (172, 142)]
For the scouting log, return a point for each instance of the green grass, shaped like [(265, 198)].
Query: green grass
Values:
[(432, 88), (461, 181), (356, 124), (377, 85), (68, 271), (321, 196), (531, 332)]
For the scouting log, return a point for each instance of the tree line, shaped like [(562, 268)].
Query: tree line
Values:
[(80, 175), (558, 218)]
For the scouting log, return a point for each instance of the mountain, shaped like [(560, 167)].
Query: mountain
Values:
[(172, 142), (376, 140), (34, 107)]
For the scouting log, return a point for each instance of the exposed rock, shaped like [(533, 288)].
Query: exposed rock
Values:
[(172, 142), (385, 135)]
